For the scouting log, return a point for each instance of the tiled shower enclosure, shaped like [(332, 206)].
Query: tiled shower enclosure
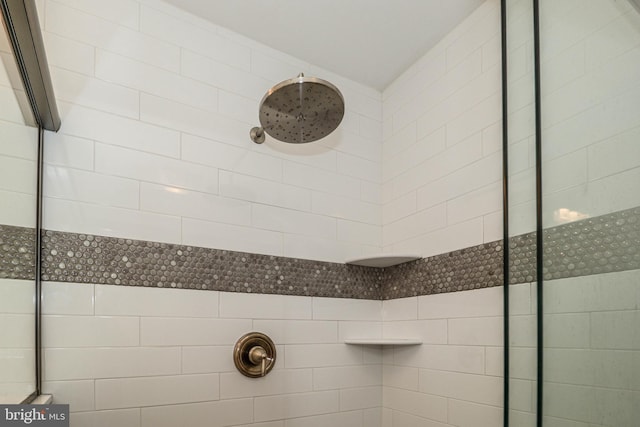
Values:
[(168, 234)]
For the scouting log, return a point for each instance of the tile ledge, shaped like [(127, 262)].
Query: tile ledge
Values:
[(383, 260), (383, 341)]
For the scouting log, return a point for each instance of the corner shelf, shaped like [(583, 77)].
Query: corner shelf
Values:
[(383, 260), (383, 341)]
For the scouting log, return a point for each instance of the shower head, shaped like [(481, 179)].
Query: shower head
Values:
[(299, 110)]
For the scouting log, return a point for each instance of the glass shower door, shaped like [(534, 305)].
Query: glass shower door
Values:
[(18, 189), (590, 103)]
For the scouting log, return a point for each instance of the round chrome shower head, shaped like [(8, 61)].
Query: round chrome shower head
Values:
[(301, 110)]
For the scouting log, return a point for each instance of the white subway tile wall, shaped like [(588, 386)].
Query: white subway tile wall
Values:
[(441, 181), (18, 150), (590, 62), (157, 106), (169, 354), (455, 377), (17, 347), (592, 352)]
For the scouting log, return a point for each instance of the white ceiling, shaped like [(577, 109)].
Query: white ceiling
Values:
[(370, 41)]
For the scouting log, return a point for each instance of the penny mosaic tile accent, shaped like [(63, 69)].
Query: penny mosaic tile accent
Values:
[(470, 268), (597, 245), (82, 258), (522, 258), (17, 252), (602, 244)]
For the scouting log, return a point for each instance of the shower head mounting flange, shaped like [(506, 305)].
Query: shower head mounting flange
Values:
[(257, 135)]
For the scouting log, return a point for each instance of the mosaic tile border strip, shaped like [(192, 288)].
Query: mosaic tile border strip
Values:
[(17, 252), (475, 267), (70, 257), (603, 244)]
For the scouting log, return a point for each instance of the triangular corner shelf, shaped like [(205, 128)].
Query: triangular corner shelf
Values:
[(383, 260)]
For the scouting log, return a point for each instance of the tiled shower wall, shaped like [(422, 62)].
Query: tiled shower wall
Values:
[(17, 350), (590, 62), (592, 350), (154, 146), (441, 175), (157, 106), (17, 244), (18, 151), (591, 125), (455, 377), (441, 169), (133, 356)]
